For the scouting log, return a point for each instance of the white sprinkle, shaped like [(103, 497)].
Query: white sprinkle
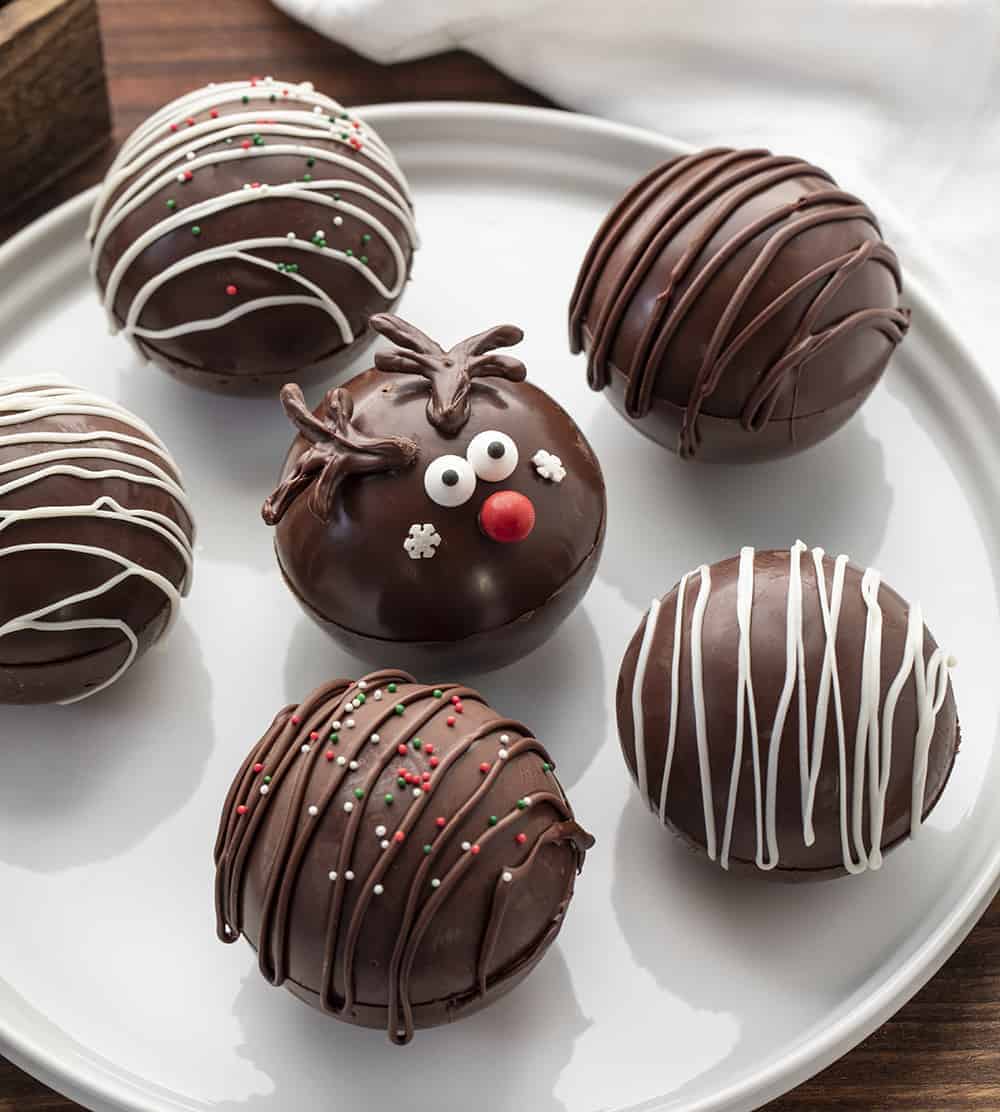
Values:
[(264, 190), (264, 789), (268, 80), (180, 177), (507, 877), (527, 800), (305, 748), (348, 875), (321, 234), (246, 185), (307, 86), (384, 844), (353, 766), (333, 874), (435, 883), (336, 726), (341, 761), (502, 754), (375, 739), (348, 806), (363, 685), (951, 662), (417, 792), (504, 739), (337, 221), (378, 889), (379, 831), (313, 810), (350, 723), (189, 156), (289, 235), (466, 846), (318, 110), (378, 695)]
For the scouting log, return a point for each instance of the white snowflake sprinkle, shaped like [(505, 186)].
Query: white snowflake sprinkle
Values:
[(549, 466), (507, 877), (422, 541), (264, 789), (374, 739), (379, 831), (335, 727)]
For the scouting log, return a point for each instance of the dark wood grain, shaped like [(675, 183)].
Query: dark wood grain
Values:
[(941, 1053)]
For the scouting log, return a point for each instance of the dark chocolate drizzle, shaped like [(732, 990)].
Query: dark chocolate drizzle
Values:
[(448, 373), (729, 182), (338, 449), (291, 769)]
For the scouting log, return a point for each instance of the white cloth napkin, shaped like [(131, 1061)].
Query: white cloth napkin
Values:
[(898, 99)]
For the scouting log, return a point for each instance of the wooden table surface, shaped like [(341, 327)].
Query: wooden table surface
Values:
[(942, 1051)]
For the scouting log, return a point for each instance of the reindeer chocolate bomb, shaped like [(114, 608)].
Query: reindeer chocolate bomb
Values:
[(438, 506)]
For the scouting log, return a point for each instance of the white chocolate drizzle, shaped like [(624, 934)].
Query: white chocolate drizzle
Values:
[(155, 156), (873, 732), (25, 401)]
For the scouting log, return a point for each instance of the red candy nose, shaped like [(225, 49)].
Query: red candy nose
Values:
[(507, 516)]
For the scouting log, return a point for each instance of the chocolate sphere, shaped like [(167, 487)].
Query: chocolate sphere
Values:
[(95, 541), (246, 232), (737, 305), (788, 713), (399, 856), (438, 507)]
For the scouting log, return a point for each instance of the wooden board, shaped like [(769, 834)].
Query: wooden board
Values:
[(54, 112)]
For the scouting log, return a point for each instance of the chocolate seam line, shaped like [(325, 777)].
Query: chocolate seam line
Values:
[(747, 179)]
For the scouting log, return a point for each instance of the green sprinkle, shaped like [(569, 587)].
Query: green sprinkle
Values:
[(196, 230), (400, 782), (546, 767), (493, 820), (358, 793), (364, 258), (335, 738), (343, 135), (257, 141), (332, 119), (307, 177), (388, 797), (438, 692), (417, 743), (349, 252), (273, 97), (391, 689), (245, 99), (361, 697), (267, 779), (400, 708), (366, 238), (293, 267), (427, 849), (310, 161), (522, 804), (345, 115), (336, 196), (171, 204)]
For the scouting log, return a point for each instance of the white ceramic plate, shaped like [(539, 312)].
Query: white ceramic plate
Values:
[(673, 985)]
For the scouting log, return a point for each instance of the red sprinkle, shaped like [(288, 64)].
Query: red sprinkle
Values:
[(241, 810), (258, 767), (451, 720), (433, 762), (328, 754), (439, 823), (401, 750), (355, 123), (456, 700), (190, 121), (484, 767), (232, 291), (255, 185), (399, 836), (521, 839), (284, 92), (173, 127), (214, 114), (428, 749), (295, 720), (426, 776), (253, 81), (474, 849), (188, 175), (245, 144)]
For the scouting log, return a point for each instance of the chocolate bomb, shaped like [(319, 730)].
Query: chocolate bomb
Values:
[(737, 305), (788, 714), (246, 231), (95, 541), (438, 508), (399, 856)]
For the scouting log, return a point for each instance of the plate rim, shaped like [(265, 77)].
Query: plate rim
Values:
[(99, 1086)]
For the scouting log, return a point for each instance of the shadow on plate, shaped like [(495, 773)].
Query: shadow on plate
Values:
[(668, 516), (314, 1062), (557, 691), (82, 784)]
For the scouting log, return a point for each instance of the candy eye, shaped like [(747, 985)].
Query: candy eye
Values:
[(493, 455), (450, 480)]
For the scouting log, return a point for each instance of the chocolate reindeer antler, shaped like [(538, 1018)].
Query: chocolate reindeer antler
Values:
[(338, 450), (449, 373)]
